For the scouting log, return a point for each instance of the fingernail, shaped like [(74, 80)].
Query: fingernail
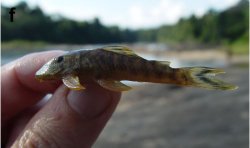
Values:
[(92, 101), (27, 64)]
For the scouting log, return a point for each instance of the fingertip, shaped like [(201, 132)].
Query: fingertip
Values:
[(93, 101), (20, 89), (32, 62), (26, 67)]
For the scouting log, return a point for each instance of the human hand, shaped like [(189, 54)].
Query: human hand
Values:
[(68, 119)]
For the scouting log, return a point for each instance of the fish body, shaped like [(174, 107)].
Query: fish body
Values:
[(109, 65)]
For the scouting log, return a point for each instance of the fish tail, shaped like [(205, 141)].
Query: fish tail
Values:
[(205, 77)]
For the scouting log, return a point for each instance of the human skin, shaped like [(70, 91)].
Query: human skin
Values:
[(69, 119)]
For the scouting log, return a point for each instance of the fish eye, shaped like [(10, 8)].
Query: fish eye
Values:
[(59, 59)]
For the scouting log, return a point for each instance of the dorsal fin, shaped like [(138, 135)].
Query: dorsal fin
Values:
[(120, 50), (164, 62)]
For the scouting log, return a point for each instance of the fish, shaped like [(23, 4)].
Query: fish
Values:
[(110, 65)]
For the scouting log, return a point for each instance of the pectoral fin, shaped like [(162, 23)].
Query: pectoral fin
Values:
[(113, 85), (72, 82)]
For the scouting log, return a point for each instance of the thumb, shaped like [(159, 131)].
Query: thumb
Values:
[(70, 118)]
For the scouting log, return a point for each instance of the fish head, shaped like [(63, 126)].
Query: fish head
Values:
[(55, 69)]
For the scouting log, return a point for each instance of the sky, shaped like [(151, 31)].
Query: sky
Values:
[(128, 13)]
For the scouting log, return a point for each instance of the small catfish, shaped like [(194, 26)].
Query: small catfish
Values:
[(112, 64)]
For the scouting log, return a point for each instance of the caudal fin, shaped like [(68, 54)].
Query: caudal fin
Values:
[(205, 77)]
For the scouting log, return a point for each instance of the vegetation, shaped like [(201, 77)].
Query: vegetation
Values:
[(23, 44), (229, 27), (33, 24)]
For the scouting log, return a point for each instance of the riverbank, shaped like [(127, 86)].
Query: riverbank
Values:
[(161, 116)]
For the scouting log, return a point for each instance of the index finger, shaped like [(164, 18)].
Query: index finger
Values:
[(19, 88)]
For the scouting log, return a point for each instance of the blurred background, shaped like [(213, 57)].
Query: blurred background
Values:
[(185, 32)]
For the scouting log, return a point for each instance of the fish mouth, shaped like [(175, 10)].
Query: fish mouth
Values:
[(46, 72), (46, 75), (42, 77)]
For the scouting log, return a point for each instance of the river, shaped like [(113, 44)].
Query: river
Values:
[(148, 51)]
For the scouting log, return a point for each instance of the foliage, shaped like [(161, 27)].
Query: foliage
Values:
[(23, 44), (213, 28), (228, 27), (241, 45), (33, 24)]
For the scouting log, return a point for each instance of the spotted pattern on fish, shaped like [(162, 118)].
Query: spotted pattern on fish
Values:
[(120, 63)]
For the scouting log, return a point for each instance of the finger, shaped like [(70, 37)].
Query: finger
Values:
[(17, 125), (19, 87), (13, 129), (70, 118)]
